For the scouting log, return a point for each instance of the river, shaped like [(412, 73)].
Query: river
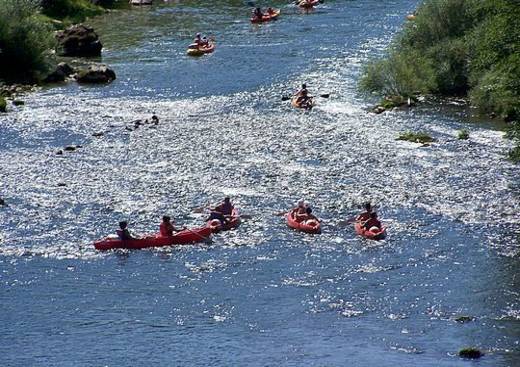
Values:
[(262, 295)]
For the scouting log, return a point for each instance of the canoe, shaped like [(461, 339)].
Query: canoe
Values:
[(266, 17), (216, 225), (307, 226), (371, 235), (140, 2), (410, 17), (184, 237), (201, 50), (307, 106), (308, 5)]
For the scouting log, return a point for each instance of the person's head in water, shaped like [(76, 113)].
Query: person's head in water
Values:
[(166, 219), (123, 224)]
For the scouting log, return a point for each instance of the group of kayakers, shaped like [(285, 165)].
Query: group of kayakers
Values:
[(222, 212)]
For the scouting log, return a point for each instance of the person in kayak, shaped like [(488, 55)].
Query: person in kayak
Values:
[(166, 228), (309, 214), (222, 211), (257, 13), (302, 90), (198, 40), (300, 212), (123, 233), (226, 208), (366, 214), (270, 11), (373, 224), (303, 99)]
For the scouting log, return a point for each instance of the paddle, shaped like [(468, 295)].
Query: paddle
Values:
[(195, 233), (287, 98)]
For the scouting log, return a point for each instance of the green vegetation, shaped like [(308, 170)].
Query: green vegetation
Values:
[(463, 134), (471, 353), (416, 137), (70, 11), (456, 47), (3, 105), (25, 41)]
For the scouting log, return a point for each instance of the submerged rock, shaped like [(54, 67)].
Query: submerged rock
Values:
[(96, 74), (79, 40), (18, 102), (62, 72), (470, 353)]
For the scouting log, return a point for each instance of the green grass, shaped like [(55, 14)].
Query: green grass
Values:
[(416, 137)]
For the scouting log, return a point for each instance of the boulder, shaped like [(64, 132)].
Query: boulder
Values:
[(62, 71), (79, 40), (96, 74)]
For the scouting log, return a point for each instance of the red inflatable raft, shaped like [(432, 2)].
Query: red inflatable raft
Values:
[(308, 4), (380, 234), (216, 225), (266, 17), (184, 237), (307, 226)]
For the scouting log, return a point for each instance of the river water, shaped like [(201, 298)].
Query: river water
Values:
[(261, 295)]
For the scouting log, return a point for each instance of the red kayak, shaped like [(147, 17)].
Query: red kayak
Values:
[(266, 17), (307, 226), (216, 225), (183, 237), (308, 4), (380, 234)]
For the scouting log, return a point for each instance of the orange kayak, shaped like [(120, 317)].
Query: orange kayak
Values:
[(183, 237), (307, 226), (380, 234), (309, 104), (308, 4), (266, 17), (201, 50)]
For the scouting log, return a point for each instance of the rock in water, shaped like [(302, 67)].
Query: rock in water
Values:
[(96, 74), (63, 70), (79, 40)]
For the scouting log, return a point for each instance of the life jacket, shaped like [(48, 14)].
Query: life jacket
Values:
[(166, 229), (225, 209), (123, 234)]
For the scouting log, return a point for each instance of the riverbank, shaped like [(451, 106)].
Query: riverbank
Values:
[(463, 48)]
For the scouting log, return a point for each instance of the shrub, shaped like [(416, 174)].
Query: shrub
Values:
[(3, 105), (463, 134), (73, 11), (25, 41), (416, 137), (403, 74)]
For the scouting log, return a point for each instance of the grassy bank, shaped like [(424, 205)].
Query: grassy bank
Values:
[(457, 48), (27, 38), (25, 41)]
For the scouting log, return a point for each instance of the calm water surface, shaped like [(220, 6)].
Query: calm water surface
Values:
[(262, 295)]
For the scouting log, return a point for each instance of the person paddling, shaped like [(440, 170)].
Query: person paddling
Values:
[(123, 233), (222, 211), (166, 228), (366, 214), (198, 40), (257, 13), (373, 224)]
